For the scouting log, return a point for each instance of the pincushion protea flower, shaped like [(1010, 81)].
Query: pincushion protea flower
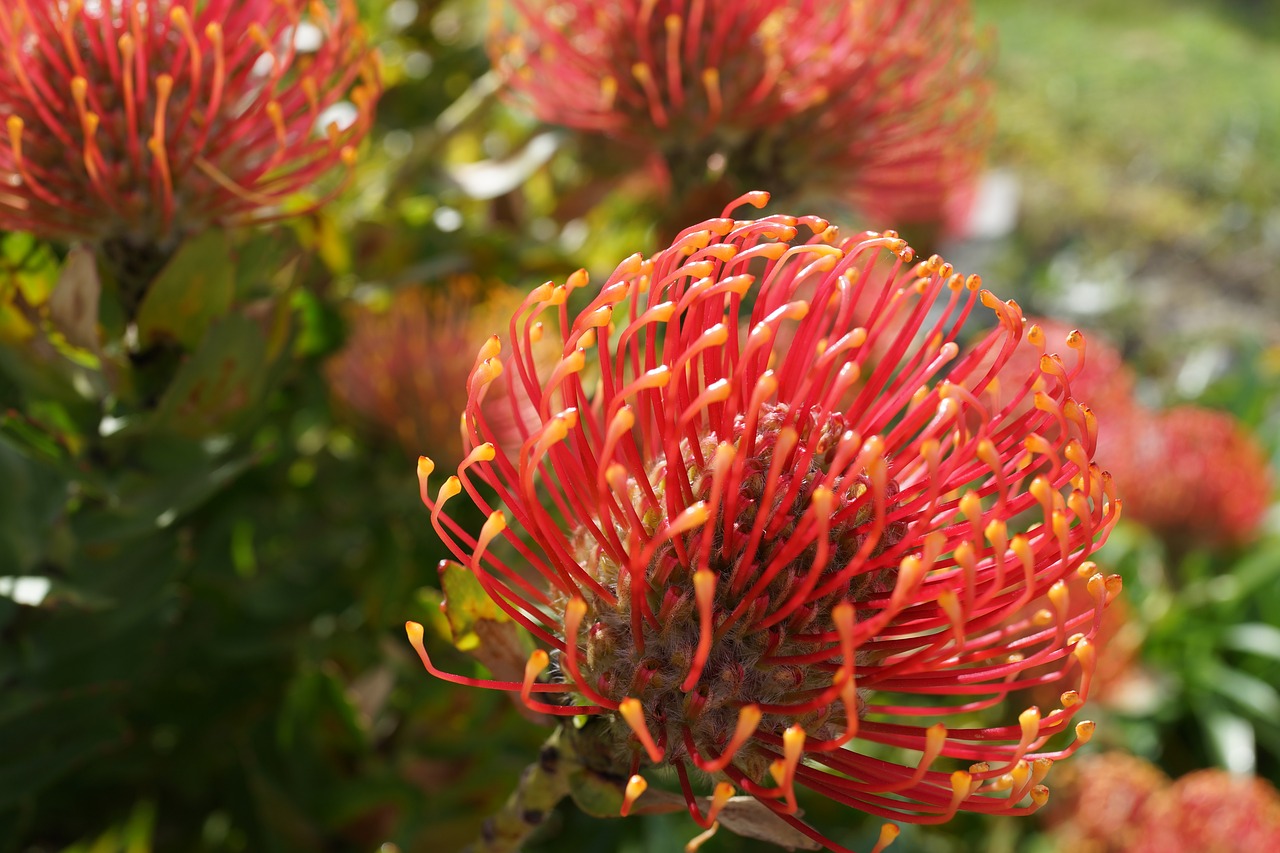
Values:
[(143, 120), (791, 566), (1118, 803), (405, 364), (1211, 811), (1197, 477), (887, 98), (1099, 801)]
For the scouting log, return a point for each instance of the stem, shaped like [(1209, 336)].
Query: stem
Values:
[(542, 785)]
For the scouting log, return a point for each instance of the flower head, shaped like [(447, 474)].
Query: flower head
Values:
[(792, 565), (1118, 803), (1211, 811), (1195, 476), (1100, 800), (882, 102), (404, 368), (148, 119)]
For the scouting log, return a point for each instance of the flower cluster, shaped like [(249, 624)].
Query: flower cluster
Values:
[(1118, 803), (773, 524), (143, 120), (896, 117)]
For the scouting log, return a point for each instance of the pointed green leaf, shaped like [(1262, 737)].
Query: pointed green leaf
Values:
[(195, 288)]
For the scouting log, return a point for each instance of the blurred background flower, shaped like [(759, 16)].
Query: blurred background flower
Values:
[(1114, 802), (859, 103), (136, 124), (403, 369)]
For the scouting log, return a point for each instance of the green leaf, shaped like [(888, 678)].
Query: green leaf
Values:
[(465, 604), (1231, 740), (195, 288), (262, 259), (1255, 638), (223, 379), (430, 613), (599, 795), (34, 441), (480, 628)]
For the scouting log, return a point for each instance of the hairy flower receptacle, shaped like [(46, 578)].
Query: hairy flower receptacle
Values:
[(719, 632), (774, 524)]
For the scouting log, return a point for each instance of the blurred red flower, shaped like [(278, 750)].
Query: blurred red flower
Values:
[(751, 555), (880, 104), (1118, 803), (146, 120), (403, 370), (1210, 811), (1195, 476)]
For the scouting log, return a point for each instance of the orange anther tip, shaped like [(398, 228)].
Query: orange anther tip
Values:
[(1039, 795), (1085, 730), (1085, 653), (415, 632), (888, 834), (636, 786), (425, 467), (1030, 718)]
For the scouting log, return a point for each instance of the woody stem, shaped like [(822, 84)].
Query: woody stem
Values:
[(542, 785)]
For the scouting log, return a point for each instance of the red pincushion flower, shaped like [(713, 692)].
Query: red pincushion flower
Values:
[(883, 103), (1210, 811), (1193, 475), (1118, 803), (149, 119), (784, 563), (1098, 802), (405, 364)]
